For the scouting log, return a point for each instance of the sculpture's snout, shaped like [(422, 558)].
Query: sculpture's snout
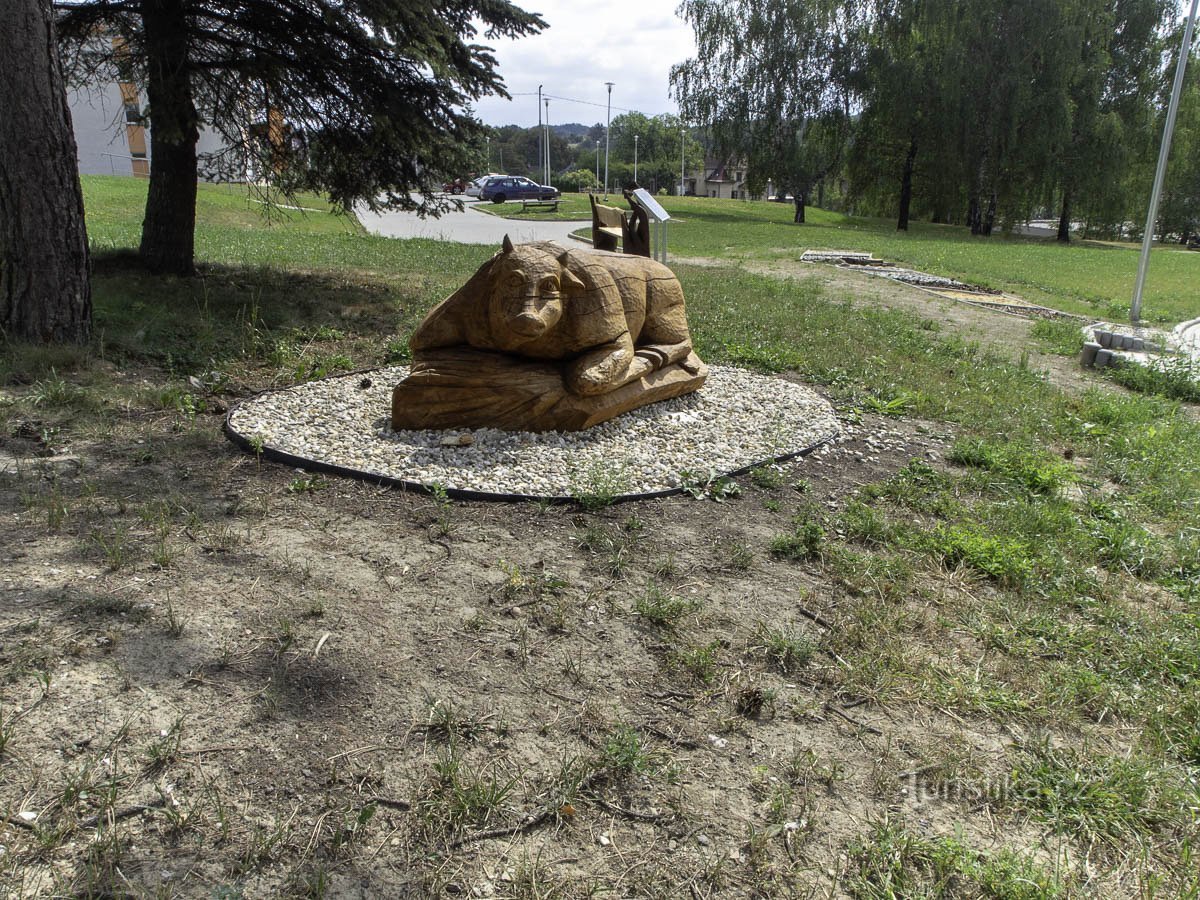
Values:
[(528, 324)]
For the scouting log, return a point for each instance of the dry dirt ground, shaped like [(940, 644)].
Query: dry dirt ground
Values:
[(225, 678)]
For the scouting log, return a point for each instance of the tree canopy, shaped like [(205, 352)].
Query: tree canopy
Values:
[(367, 100), (971, 111), (772, 83)]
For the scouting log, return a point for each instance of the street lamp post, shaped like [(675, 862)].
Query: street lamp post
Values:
[(488, 168), (547, 137), (607, 125), (635, 140), (541, 134), (682, 165), (597, 162)]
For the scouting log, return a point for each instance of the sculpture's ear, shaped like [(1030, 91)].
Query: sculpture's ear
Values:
[(568, 279), (570, 282), (507, 245)]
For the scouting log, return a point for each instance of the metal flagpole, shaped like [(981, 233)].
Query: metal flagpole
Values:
[(1135, 308)]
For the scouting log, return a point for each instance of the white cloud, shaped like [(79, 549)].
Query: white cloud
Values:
[(632, 43)]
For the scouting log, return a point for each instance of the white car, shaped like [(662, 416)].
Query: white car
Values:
[(476, 186)]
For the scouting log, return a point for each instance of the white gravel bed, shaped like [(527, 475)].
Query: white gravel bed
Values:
[(736, 420)]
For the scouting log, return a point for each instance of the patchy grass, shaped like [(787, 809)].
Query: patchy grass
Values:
[(224, 677)]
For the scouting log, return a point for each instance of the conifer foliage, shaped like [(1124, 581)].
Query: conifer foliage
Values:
[(367, 100)]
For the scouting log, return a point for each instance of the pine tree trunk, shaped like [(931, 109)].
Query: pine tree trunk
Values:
[(45, 295), (989, 219), (168, 231), (906, 187), (798, 219), (1064, 219)]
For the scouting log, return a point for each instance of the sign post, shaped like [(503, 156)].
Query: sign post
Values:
[(659, 218)]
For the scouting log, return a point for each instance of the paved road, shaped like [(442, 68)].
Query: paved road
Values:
[(467, 227)]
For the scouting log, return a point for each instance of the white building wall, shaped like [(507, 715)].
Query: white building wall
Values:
[(98, 117)]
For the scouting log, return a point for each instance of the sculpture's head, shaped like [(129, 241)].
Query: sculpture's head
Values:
[(530, 282)]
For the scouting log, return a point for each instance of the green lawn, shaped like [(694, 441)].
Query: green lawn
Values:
[(1087, 277)]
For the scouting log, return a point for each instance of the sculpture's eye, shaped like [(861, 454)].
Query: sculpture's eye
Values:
[(549, 285), (517, 278)]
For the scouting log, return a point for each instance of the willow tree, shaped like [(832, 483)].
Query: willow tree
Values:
[(772, 84), (45, 295), (367, 100)]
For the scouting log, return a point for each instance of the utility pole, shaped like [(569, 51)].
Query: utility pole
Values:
[(607, 124), (635, 140), (597, 162), (488, 168), (547, 138), (1135, 308), (541, 134)]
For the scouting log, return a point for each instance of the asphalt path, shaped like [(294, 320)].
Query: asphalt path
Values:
[(466, 227)]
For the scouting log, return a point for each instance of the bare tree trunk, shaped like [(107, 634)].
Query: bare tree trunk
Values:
[(906, 187), (989, 219), (168, 231), (974, 215), (1064, 219), (45, 295)]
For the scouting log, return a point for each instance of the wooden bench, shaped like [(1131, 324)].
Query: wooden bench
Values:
[(636, 240), (552, 204), (608, 225)]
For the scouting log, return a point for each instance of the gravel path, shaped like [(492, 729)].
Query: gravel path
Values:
[(737, 420)]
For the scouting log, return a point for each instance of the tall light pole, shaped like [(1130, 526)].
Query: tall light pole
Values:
[(635, 140), (489, 154), (541, 134), (607, 124), (682, 165), (597, 162), (547, 137), (1135, 308)]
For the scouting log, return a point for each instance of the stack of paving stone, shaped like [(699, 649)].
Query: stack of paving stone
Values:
[(1106, 344)]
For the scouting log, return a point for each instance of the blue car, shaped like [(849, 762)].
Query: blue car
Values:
[(514, 187)]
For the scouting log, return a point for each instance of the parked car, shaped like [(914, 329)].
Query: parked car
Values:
[(476, 186), (510, 187), (457, 186)]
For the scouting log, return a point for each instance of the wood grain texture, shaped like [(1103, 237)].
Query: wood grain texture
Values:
[(544, 338)]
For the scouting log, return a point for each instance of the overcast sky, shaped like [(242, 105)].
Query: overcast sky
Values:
[(632, 43)]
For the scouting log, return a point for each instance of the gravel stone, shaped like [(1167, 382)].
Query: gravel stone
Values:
[(737, 420)]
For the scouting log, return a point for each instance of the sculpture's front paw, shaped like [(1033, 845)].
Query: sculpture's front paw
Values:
[(596, 380), (602, 376)]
